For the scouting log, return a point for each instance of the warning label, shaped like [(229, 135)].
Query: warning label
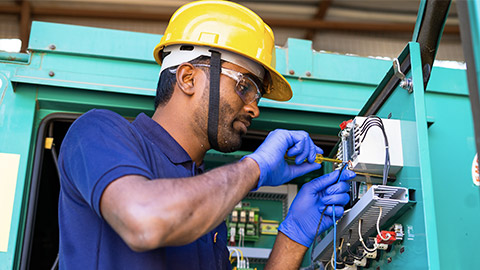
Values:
[(475, 171)]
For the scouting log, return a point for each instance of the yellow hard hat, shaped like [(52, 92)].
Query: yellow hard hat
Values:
[(231, 27)]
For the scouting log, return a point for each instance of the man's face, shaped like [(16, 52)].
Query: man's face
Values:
[(235, 116)]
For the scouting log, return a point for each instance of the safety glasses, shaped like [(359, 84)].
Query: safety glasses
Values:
[(248, 90)]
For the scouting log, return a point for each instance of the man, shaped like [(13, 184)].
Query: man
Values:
[(134, 195)]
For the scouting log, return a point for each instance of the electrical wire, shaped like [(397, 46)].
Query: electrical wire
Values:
[(238, 253), (361, 238), (378, 226), (316, 234), (355, 256), (55, 265), (321, 218), (334, 238), (370, 122)]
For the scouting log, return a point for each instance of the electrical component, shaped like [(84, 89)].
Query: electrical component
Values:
[(373, 148), (364, 216), (386, 237), (243, 216), (245, 220), (234, 217), (269, 227), (232, 236), (251, 216)]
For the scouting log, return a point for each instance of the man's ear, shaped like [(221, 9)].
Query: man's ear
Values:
[(186, 78)]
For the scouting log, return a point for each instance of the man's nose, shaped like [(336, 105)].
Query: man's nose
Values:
[(252, 109)]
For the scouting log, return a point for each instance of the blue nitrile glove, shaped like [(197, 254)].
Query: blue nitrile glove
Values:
[(270, 157), (302, 219)]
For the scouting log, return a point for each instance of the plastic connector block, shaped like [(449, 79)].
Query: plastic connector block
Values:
[(391, 236), (391, 199)]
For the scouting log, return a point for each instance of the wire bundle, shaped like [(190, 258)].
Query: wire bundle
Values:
[(359, 134), (334, 223), (375, 121), (242, 262)]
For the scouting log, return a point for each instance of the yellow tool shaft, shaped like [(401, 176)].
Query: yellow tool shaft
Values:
[(318, 159)]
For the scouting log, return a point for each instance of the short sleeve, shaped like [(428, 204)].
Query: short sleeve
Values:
[(100, 147)]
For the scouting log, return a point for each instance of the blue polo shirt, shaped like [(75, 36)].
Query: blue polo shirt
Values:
[(100, 147)]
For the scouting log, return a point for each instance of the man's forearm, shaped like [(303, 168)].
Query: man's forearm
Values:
[(286, 254), (171, 212)]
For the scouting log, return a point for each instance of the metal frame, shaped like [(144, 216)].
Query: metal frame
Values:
[(470, 26)]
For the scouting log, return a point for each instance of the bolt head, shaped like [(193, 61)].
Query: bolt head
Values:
[(308, 74), (51, 73), (52, 47), (291, 72)]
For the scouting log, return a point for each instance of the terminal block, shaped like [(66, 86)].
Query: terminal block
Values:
[(243, 224)]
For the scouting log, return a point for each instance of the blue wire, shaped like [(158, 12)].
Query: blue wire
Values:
[(334, 239)]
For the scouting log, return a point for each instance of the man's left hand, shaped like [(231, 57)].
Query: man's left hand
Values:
[(301, 223)]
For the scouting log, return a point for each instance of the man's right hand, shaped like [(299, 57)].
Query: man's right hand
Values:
[(270, 157)]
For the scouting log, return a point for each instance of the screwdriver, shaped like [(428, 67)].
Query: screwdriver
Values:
[(318, 159)]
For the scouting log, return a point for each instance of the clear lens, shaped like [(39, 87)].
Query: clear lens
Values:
[(246, 88)]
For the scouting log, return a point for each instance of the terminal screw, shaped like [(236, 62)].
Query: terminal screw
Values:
[(51, 73)]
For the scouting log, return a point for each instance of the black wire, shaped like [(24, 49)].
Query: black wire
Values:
[(366, 125), (355, 256), (55, 160), (315, 238), (321, 217)]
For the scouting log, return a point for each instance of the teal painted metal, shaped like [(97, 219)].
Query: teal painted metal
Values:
[(420, 243), (14, 57), (424, 157), (418, 23), (443, 215), (17, 111), (115, 70), (452, 148)]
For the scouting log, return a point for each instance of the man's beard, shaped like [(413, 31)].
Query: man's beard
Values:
[(229, 139)]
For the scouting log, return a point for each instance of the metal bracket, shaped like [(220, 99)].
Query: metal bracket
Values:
[(406, 83)]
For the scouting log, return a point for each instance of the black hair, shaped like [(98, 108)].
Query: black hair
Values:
[(167, 81)]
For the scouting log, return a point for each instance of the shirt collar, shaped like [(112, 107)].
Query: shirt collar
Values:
[(160, 137)]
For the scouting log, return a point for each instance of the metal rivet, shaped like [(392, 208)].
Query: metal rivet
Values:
[(308, 74), (389, 259), (291, 72), (402, 249), (51, 73), (52, 47)]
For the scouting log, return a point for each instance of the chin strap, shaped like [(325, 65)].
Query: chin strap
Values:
[(214, 100)]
